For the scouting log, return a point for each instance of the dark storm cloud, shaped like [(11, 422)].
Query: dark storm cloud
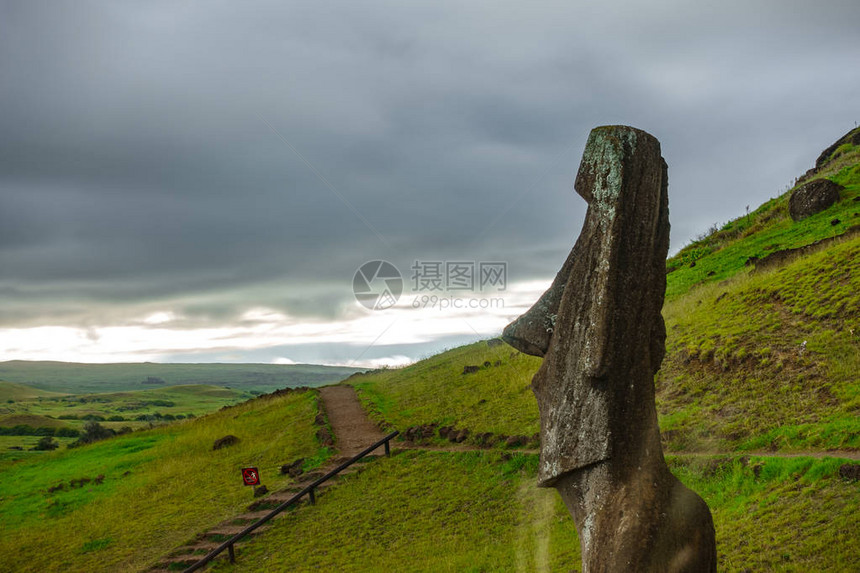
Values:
[(148, 150)]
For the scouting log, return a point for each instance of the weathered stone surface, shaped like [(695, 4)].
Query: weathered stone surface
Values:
[(812, 198), (601, 334)]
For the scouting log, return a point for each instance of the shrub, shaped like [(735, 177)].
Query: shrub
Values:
[(93, 432), (46, 443), (67, 433)]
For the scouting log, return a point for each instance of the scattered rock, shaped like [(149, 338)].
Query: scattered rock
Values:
[(324, 436), (224, 442), (294, 469), (497, 363), (484, 440), (320, 420), (850, 471), (711, 273), (693, 264), (835, 222), (470, 369), (260, 490), (487, 364), (425, 431), (80, 482), (458, 437), (516, 441), (445, 430), (813, 197)]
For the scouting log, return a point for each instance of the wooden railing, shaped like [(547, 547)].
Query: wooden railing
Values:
[(308, 490)]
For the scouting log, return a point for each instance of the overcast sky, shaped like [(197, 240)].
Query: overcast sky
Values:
[(200, 181)]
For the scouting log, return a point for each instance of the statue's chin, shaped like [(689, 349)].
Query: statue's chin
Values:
[(523, 345)]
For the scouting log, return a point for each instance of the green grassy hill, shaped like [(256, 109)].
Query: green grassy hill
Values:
[(761, 360), (120, 504), (725, 250), (133, 410), (11, 391)]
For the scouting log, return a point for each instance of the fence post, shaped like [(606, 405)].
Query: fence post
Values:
[(387, 449), (232, 555), (311, 495)]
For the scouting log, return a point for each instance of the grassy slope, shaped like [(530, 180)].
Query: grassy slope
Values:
[(723, 253), (160, 487), (477, 511), (97, 378), (769, 360), (12, 391)]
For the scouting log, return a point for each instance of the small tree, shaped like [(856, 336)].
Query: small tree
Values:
[(46, 443), (93, 432)]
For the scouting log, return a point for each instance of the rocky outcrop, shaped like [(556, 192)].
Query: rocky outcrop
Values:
[(813, 197), (601, 334), (852, 137)]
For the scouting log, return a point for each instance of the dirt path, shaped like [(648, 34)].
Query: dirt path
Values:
[(353, 430), (844, 454)]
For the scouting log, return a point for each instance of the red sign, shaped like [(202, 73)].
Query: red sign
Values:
[(250, 476)]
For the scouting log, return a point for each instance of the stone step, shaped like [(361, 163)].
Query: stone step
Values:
[(204, 546), (225, 531)]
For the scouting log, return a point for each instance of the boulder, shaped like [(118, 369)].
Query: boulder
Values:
[(813, 197), (294, 469), (850, 471), (224, 442)]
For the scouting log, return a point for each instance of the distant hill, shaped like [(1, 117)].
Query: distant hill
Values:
[(80, 378), (13, 391)]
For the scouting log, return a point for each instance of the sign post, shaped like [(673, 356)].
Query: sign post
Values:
[(250, 476)]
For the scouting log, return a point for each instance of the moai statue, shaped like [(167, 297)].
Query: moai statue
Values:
[(602, 338)]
